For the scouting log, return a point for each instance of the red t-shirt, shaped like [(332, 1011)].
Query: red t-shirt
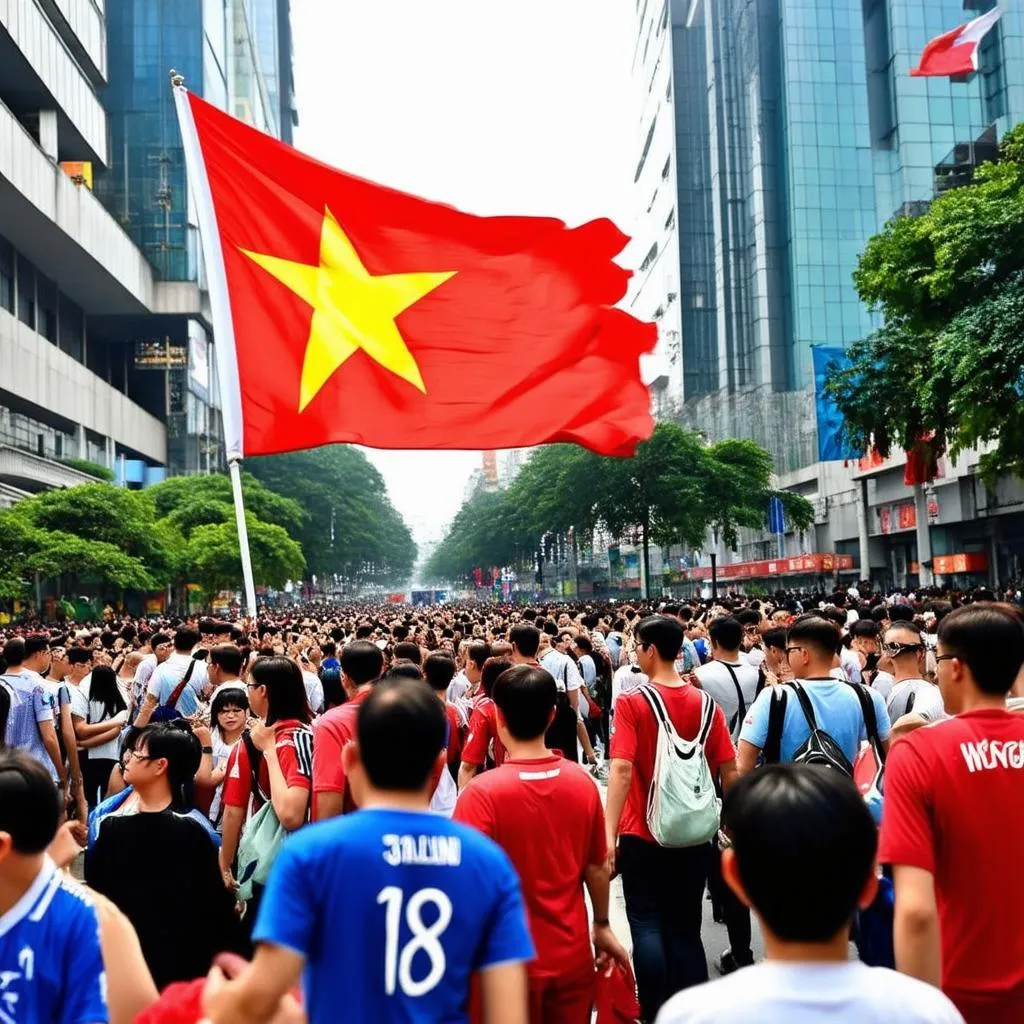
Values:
[(454, 736), (548, 818), (332, 731), (294, 743), (483, 728), (634, 732), (954, 806)]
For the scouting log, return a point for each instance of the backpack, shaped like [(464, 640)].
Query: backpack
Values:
[(741, 709), (683, 808), (869, 766), (262, 834), (819, 748), (169, 712)]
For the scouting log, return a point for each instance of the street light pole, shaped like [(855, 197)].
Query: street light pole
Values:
[(714, 575)]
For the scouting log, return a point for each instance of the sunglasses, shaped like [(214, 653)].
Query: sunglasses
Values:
[(895, 650)]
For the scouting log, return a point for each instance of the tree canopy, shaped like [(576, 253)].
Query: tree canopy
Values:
[(947, 362), (674, 490), (350, 528)]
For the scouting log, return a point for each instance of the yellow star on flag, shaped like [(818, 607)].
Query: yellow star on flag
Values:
[(352, 309)]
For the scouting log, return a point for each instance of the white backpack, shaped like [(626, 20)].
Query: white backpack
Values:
[(683, 808)]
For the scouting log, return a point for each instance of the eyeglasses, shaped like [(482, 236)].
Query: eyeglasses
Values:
[(895, 650), (946, 657), (134, 754)]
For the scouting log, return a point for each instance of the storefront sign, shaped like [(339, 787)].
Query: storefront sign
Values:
[(800, 564), (969, 561)]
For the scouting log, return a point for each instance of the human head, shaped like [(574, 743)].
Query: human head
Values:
[(403, 670), (439, 670), (14, 653), (980, 651), (362, 662), (277, 691), (408, 651), (904, 649), (400, 738), (726, 635), (29, 808), (775, 647), (864, 636), (58, 662), (161, 646), (493, 667), (476, 655), (185, 640), (225, 663), (229, 710), (79, 663), (811, 646), (659, 641), (806, 822), (37, 653), (525, 640), (584, 645), (525, 697), (161, 760)]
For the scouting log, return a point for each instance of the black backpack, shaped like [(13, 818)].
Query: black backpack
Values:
[(819, 748)]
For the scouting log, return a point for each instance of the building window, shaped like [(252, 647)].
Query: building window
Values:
[(46, 294), (70, 334), (6, 275), (26, 292), (647, 147)]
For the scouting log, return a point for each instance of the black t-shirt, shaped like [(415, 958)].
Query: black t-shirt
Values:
[(161, 871)]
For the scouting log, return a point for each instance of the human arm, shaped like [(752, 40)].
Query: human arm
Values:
[(231, 832), (597, 878), (77, 786), (754, 732), (108, 731), (48, 734), (620, 777), (467, 772), (255, 995), (504, 992), (207, 775), (290, 801), (149, 705), (746, 757), (916, 924), (328, 770)]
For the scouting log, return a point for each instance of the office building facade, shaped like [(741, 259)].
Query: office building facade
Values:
[(796, 133)]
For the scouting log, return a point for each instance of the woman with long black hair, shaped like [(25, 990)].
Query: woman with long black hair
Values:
[(108, 704)]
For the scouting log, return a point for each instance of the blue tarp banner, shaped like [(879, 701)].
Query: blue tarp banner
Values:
[(833, 443)]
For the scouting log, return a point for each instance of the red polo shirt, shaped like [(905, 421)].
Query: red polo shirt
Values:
[(483, 730), (330, 734)]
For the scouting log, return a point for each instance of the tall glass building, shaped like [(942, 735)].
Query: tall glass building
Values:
[(798, 133), (237, 55)]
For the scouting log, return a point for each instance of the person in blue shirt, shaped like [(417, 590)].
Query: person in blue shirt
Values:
[(51, 961), (388, 912), (811, 647)]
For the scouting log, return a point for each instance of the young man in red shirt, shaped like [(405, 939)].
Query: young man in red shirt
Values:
[(361, 665), (482, 739), (439, 671), (545, 812), (952, 825), (663, 886)]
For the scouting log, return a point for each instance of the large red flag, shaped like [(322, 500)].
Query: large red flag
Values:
[(346, 311)]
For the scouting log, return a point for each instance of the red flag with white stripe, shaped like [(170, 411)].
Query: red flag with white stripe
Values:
[(955, 54)]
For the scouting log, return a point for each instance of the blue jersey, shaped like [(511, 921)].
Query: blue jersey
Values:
[(393, 911), (51, 963)]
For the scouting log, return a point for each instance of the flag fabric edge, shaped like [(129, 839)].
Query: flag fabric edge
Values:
[(220, 303)]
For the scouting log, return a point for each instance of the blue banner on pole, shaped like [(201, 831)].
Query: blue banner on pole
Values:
[(833, 443), (776, 516)]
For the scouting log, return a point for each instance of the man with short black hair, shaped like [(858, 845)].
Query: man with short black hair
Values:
[(160, 649), (32, 718), (433, 902), (811, 825), (952, 828), (361, 665), (225, 669), (408, 651), (663, 886), (905, 650), (834, 703), (537, 793), (168, 675), (51, 959)]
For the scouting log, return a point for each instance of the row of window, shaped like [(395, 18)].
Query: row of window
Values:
[(37, 302), (31, 435)]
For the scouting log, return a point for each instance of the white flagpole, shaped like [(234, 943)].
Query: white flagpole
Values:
[(223, 324)]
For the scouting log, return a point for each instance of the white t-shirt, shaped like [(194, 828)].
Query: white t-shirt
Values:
[(802, 993), (716, 681), (927, 700), (563, 669), (626, 680), (97, 713), (457, 687), (314, 690), (849, 661), (79, 701), (753, 657), (883, 682)]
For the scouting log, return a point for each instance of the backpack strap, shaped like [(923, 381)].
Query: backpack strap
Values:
[(776, 720), (657, 705), (172, 701), (805, 705), (741, 709), (910, 702), (867, 707), (707, 717)]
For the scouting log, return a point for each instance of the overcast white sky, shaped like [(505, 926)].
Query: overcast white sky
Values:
[(497, 108)]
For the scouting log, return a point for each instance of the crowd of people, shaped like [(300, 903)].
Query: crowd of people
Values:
[(383, 813)]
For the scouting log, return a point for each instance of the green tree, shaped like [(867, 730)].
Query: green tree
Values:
[(214, 557), (351, 528), (947, 362)]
